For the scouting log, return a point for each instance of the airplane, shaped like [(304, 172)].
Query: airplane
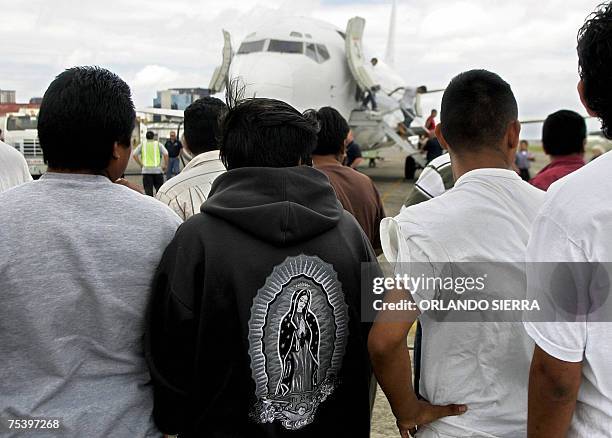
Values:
[(310, 63)]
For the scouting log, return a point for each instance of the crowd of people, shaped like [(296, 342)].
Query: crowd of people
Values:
[(231, 304)]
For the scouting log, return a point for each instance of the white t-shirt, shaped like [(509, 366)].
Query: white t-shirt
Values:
[(13, 168), (486, 217), (575, 225)]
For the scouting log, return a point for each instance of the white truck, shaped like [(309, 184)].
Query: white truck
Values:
[(20, 131)]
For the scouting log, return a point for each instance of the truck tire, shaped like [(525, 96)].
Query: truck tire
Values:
[(410, 167)]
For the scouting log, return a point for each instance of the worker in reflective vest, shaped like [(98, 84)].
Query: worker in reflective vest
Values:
[(149, 156)]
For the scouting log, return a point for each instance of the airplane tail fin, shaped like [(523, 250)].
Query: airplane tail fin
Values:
[(390, 53)]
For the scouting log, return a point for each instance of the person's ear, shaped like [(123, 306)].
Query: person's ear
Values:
[(513, 135), (583, 99), (117, 149), (440, 137)]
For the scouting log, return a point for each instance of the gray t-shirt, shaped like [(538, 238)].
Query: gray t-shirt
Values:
[(78, 254)]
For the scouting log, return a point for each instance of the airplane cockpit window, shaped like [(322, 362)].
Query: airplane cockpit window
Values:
[(317, 52), (251, 47), (311, 52), (323, 53), (286, 46), (296, 34)]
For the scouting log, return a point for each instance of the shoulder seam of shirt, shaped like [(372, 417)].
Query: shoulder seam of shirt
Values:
[(567, 235)]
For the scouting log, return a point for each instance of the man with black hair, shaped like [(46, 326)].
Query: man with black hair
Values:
[(255, 328), (563, 138), (483, 365), (186, 192), (149, 155), (355, 190), (570, 384), (77, 261), (523, 160)]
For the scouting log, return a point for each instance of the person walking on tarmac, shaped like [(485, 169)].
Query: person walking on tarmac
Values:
[(149, 156)]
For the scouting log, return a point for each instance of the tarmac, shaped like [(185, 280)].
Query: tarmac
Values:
[(388, 177)]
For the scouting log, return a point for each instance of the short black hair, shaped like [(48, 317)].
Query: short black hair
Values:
[(83, 113), (477, 107), (150, 135), (333, 130), (261, 132), (202, 124), (595, 64), (563, 133)]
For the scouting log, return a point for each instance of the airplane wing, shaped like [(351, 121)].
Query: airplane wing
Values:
[(162, 112)]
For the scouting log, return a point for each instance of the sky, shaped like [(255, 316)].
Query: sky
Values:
[(155, 44)]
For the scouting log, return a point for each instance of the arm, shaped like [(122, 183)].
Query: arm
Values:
[(387, 344), (137, 159), (356, 162), (164, 153), (136, 155), (171, 335), (553, 389)]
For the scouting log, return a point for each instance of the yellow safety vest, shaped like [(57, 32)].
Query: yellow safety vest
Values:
[(150, 154)]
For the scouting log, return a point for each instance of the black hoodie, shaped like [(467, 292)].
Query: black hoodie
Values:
[(255, 328)]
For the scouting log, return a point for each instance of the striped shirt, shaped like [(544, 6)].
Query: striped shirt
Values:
[(186, 192), (435, 179)]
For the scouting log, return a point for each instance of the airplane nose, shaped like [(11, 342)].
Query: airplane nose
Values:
[(264, 76)]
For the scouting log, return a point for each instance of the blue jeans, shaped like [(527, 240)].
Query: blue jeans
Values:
[(173, 167)]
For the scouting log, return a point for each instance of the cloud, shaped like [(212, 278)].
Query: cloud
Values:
[(158, 44)]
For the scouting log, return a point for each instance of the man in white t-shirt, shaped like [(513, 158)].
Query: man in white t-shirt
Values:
[(570, 385), (13, 168), (486, 217)]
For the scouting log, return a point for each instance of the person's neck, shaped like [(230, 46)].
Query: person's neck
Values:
[(75, 171), (554, 158), (464, 164), (322, 160), (78, 171)]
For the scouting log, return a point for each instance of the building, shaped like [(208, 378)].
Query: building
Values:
[(7, 96), (6, 108), (179, 98)]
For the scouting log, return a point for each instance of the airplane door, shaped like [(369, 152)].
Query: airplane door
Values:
[(354, 53), (219, 77)]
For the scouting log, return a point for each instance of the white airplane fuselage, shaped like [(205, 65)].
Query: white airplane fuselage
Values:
[(299, 79)]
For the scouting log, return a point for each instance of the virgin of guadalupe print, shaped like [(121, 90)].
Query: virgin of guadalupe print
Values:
[(298, 333)]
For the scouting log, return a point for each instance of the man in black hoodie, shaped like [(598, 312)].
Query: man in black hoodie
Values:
[(255, 328)]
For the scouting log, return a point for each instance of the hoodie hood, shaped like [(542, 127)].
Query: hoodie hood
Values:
[(283, 206)]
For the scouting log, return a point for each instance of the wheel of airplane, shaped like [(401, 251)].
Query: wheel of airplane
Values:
[(410, 167)]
